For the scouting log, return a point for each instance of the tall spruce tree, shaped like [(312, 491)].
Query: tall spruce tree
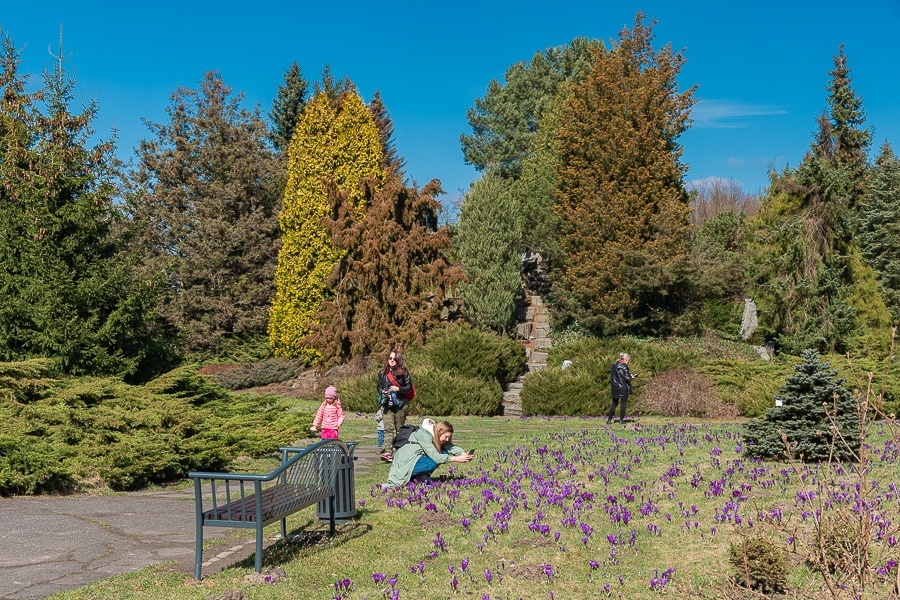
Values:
[(287, 106), (488, 242), (812, 400), (879, 236), (203, 199), (393, 278), (809, 278), (506, 118), (336, 140), (391, 160), (621, 199), (68, 286)]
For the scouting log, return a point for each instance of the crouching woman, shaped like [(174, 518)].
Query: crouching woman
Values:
[(429, 446)]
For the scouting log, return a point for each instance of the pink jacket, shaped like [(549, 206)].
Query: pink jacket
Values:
[(331, 416)]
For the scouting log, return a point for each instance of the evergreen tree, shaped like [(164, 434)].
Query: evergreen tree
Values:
[(621, 198), (393, 277), (807, 399), (336, 140), (880, 232), (391, 161), (287, 107), (810, 282), (68, 286), (488, 242), (204, 203), (505, 120)]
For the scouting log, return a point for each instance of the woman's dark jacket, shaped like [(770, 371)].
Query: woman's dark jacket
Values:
[(404, 382), (621, 380)]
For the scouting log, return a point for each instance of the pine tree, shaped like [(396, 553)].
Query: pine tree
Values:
[(810, 399), (622, 201), (488, 241), (336, 140), (287, 107), (204, 203), (68, 286), (393, 278), (506, 118)]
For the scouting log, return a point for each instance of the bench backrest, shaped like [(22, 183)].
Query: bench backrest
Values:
[(305, 476)]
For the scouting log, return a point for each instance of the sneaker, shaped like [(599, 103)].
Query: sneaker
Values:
[(387, 457)]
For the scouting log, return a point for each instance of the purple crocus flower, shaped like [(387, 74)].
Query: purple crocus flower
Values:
[(488, 576)]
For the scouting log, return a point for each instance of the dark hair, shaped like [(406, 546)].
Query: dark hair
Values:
[(399, 366)]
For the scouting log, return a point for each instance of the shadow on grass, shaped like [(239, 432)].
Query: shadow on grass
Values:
[(306, 540)]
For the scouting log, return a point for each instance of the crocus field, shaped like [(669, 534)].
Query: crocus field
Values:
[(570, 508)]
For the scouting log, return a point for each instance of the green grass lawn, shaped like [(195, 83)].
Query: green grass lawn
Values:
[(550, 508)]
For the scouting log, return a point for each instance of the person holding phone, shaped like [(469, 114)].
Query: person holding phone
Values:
[(429, 446), (620, 380), (394, 383)]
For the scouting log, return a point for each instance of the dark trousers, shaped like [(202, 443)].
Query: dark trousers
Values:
[(393, 421), (612, 409)]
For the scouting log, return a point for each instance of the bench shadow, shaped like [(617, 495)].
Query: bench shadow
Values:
[(308, 538)]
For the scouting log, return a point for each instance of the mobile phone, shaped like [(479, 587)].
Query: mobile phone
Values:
[(472, 451)]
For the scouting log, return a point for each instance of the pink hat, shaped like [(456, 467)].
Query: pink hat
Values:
[(331, 392)]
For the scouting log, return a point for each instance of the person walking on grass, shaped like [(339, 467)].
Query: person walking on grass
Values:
[(330, 415), (620, 379), (394, 389)]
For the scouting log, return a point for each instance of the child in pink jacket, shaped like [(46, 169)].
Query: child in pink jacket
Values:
[(330, 415)]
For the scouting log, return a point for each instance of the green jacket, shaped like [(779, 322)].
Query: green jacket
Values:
[(421, 443)]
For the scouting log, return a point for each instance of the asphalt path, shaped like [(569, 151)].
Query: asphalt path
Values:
[(49, 544)]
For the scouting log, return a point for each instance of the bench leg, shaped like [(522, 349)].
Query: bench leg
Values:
[(284, 529), (198, 551), (259, 544)]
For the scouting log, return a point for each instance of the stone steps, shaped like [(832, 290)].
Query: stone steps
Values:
[(532, 331)]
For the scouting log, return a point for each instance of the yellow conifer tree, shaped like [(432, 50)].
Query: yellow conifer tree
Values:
[(335, 140)]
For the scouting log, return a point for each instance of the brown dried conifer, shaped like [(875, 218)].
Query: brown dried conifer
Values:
[(392, 282)]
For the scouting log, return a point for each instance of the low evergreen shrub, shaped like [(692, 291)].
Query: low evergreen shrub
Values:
[(749, 385), (576, 391), (759, 565), (439, 393), (255, 374), (83, 433), (466, 351)]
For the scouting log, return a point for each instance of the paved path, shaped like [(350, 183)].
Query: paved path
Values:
[(53, 543)]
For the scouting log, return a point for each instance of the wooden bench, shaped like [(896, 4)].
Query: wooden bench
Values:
[(306, 476)]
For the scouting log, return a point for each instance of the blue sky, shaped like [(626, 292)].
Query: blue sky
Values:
[(761, 66)]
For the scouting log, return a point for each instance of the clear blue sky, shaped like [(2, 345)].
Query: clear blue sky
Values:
[(761, 66)]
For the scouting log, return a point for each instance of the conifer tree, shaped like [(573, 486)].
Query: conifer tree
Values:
[(68, 286), (488, 242), (204, 203), (391, 161), (807, 399), (393, 278), (809, 279), (287, 106), (506, 118), (336, 140), (880, 232), (622, 203)]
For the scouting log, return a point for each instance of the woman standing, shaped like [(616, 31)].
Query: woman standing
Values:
[(429, 446), (394, 384)]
